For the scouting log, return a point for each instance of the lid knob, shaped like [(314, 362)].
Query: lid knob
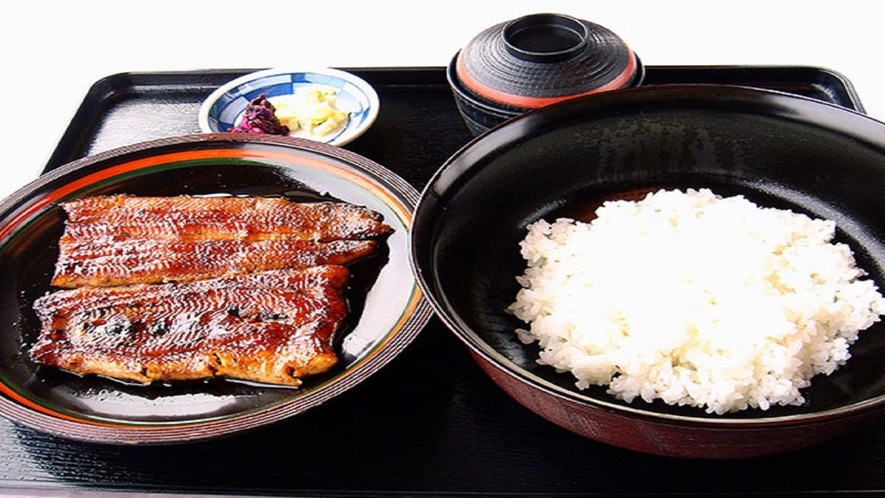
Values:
[(545, 37)]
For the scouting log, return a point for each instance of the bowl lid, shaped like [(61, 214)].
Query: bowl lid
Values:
[(539, 59)]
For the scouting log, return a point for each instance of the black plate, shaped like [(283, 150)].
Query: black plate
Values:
[(97, 409)]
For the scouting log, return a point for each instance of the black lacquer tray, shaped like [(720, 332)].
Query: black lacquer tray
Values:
[(429, 423)]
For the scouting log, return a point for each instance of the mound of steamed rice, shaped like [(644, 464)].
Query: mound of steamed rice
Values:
[(693, 299)]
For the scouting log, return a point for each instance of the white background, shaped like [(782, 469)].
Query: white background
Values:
[(52, 52)]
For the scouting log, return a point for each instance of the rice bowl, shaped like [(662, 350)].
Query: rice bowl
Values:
[(565, 160)]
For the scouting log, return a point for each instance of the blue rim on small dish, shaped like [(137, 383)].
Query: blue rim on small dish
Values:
[(223, 108)]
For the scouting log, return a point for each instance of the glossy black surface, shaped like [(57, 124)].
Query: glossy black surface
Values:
[(445, 428)]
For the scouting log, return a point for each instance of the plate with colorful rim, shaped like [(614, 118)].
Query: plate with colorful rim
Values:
[(384, 319)]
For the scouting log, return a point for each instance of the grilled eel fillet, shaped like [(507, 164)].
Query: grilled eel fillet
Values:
[(273, 327), (123, 239)]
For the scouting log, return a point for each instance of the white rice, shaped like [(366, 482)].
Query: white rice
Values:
[(694, 299)]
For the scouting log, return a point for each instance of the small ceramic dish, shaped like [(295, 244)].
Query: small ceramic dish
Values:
[(224, 108)]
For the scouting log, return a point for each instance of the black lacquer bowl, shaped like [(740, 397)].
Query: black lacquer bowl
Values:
[(534, 61), (776, 149), (386, 313)]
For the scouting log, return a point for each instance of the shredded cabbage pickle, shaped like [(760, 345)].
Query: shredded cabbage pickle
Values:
[(312, 111)]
